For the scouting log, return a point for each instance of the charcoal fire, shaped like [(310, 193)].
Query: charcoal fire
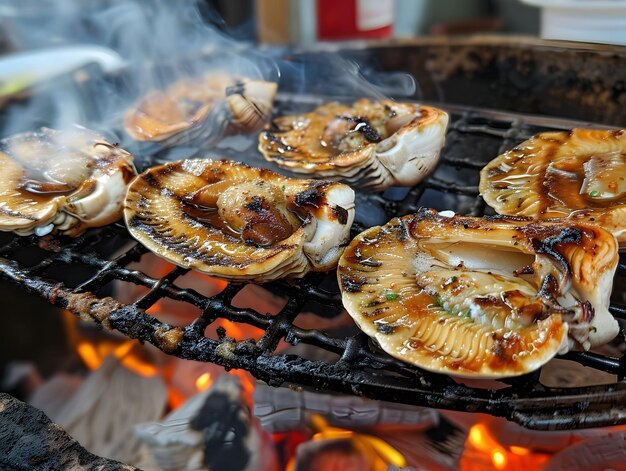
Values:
[(212, 430)]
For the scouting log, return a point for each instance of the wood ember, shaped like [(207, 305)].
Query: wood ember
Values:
[(331, 454), (511, 434), (425, 438), (437, 449), (282, 409), (54, 394), (103, 412), (212, 430), (30, 441)]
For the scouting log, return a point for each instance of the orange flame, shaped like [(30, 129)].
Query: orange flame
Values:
[(483, 452), (94, 354), (378, 452), (204, 381), (240, 331)]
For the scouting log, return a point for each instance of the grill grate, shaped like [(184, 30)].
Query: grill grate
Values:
[(77, 275)]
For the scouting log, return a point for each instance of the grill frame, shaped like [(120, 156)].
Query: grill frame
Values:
[(361, 368)]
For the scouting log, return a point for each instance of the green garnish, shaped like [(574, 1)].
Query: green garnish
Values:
[(391, 296), (439, 301), (594, 193), (283, 188)]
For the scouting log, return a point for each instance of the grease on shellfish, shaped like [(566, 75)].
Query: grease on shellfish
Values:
[(61, 181), (201, 109), (237, 222), (580, 173), (490, 297), (370, 144)]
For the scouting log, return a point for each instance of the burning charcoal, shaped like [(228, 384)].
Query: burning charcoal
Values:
[(28, 440), (334, 448), (325, 455), (510, 434), (421, 435), (438, 448), (54, 395), (213, 430), (104, 410), (282, 409)]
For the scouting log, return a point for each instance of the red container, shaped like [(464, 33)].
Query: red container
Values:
[(353, 19)]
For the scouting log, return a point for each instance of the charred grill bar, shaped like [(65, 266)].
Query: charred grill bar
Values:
[(474, 136)]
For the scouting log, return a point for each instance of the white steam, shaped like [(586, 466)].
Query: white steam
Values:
[(159, 41)]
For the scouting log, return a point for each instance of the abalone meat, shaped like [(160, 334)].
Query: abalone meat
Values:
[(237, 222), (579, 174), (371, 144), (480, 297), (61, 181), (201, 109)]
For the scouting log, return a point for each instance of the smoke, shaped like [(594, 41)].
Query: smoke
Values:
[(157, 42), (329, 75)]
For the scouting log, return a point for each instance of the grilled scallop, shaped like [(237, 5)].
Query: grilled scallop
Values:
[(240, 223), (581, 173), (201, 109), (61, 181), (371, 144), (482, 297)]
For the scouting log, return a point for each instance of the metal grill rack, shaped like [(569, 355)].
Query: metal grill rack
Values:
[(49, 268)]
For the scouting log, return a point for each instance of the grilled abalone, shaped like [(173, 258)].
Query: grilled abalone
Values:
[(201, 109), (370, 144), (581, 173), (61, 181), (484, 297), (236, 222)]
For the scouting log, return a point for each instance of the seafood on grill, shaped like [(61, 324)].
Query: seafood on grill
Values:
[(201, 109), (371, 144), (579, 174), (237, 222), (480, 297), (61, 181)]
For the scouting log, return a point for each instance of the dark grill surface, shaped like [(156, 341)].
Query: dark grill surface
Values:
[(78, 275)]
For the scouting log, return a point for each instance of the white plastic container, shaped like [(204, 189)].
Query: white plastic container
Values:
[(598, 21)]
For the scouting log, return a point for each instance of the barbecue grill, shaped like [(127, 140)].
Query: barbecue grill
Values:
[(475, 135)]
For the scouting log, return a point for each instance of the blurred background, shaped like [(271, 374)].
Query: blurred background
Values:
[(302, 21)]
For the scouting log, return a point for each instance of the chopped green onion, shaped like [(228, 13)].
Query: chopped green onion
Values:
[(283, 188), (439, 301), (594, 193), (391, 296)]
